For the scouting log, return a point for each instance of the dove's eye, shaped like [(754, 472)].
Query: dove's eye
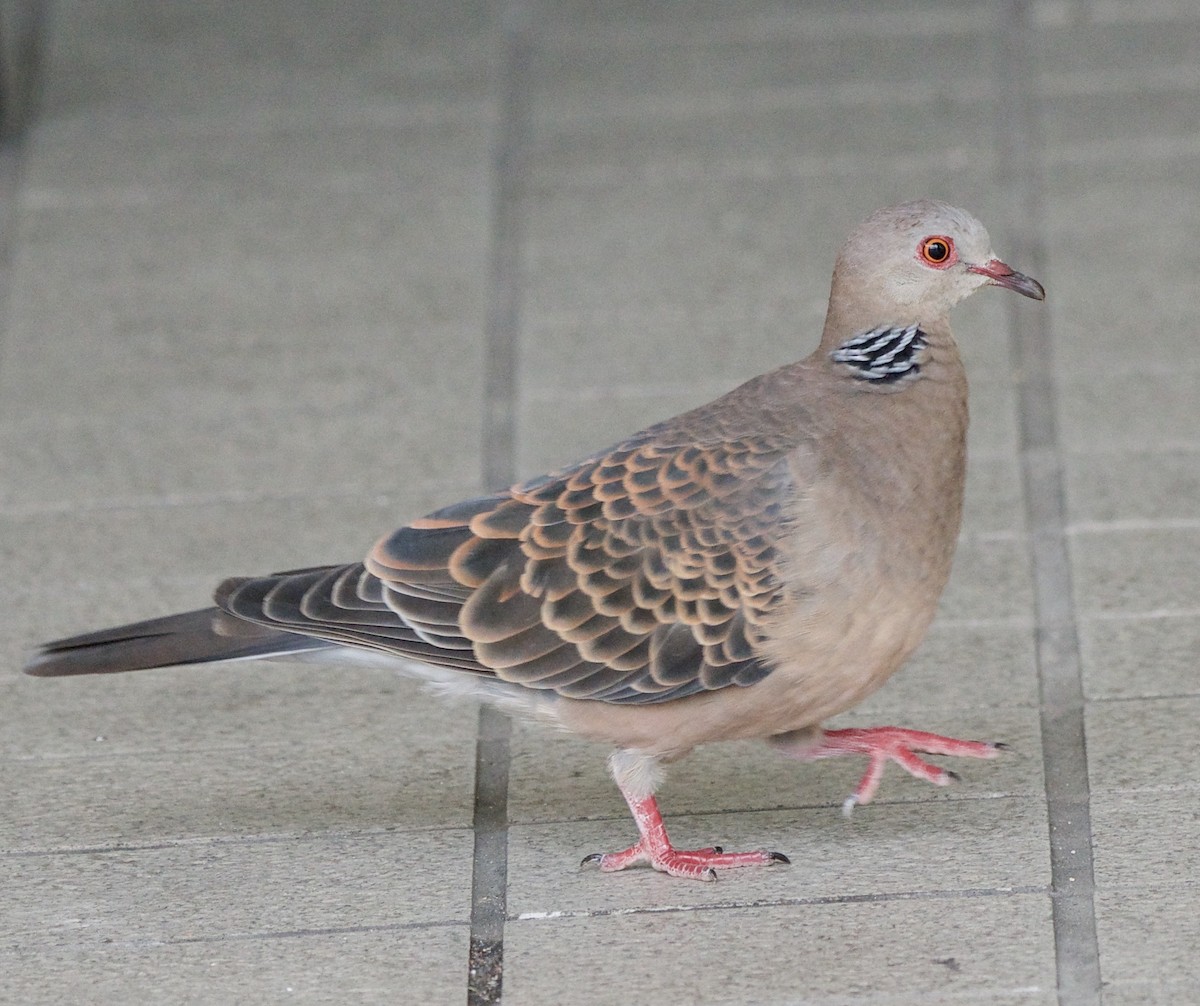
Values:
[(937, 251)]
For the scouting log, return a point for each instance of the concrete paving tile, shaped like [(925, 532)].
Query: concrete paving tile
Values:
[(863, 182), (1133, 485), (620, 157), (1161, 159), (1111, 411), (1134, 116), (1128, 658), (1122, 271), (356, 712), (262, 789), (1136, 842), (206, 361), (1150, 991), (129, 462), (994, 502), (133, 466), (135, 367), (981, 322), (955, 950), (1147, 943), (823, 19), (281, 448), (778, 126), (286, 236), (1099, 307), (214, 790), (599, 249), (103, 555), (670, 344), (1164, 156), (971, 845), (1146, 873), (962, 666), (1137, 571), (1096, 309), (204, 317), (136, 160), (993, 429), (314, 262), (1110, 39), (264, 58), (738, 58), (990, 580), (262, 748), (555, 777), (387, 966), (1142, 744), (226, 890)]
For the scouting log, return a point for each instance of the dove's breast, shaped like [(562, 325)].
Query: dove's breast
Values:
[(864, 556)]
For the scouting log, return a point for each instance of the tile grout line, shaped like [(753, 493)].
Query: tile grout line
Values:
[(489, 877), (1064, 749), (962, 894), (11, 163), (20, 97)]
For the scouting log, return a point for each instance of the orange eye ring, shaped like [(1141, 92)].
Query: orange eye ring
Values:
[(937, 251)]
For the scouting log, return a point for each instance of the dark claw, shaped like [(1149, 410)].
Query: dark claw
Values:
[(1001, 746), (712, 874), (954, 776), (718, 849), (779, 857), (594, 857)]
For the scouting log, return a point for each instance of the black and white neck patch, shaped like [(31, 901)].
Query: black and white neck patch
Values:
[(885, 354)]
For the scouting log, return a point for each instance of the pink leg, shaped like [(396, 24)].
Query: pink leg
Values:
[(884, 744), (654, 847)]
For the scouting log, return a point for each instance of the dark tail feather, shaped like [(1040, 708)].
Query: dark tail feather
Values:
[(191, 637)]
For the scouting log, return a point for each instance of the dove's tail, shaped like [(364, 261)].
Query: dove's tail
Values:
[(191, 637)]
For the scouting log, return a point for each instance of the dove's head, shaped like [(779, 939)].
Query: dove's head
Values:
[(913, 263)]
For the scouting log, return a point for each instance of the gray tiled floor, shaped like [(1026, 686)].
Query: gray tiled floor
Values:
[(257, 258)]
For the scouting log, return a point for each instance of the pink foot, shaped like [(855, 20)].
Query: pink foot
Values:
[(884, 744), (655, 848), (693, 864)]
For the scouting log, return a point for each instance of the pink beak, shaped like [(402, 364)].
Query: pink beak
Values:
[(999, 274)]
